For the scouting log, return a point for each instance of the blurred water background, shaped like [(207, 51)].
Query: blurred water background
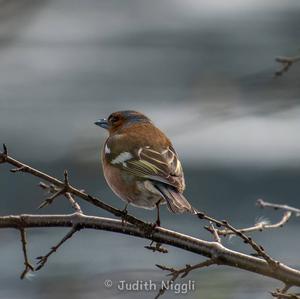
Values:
[(203, 71)]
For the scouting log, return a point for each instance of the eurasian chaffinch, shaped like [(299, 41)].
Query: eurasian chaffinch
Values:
[(141, 165)]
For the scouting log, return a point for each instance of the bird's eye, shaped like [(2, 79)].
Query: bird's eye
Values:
[(113, 118)]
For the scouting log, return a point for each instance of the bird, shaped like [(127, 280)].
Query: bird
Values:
[(140, 164)]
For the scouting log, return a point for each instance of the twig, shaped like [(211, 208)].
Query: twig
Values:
[(264, 204), (49, 200), (258, 248), (56, 192), (248, 240), (214, 231), (22, 168), (42, 260), (183, 272), (284, 289), (157, 247), (28, 266), (74, 204), (280, 295), (260, 226), (52, 189), (286, 63)]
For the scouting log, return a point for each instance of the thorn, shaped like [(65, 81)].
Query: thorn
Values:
[(66, 175), (5, 149), (158, 248), (43, 185), (160, 267), (21, 168), (3, 155), (43, 204), (260, 203)]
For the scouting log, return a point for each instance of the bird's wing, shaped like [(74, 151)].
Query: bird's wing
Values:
[(163, 165)]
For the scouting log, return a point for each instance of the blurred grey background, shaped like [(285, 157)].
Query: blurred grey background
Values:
[(203, 71)]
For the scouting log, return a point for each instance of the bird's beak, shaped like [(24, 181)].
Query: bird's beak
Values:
[(102, 123)]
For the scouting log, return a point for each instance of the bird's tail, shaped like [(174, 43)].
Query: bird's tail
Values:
[(176, 202)]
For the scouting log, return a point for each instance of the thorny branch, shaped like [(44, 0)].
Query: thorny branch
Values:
[(263, 225), (42, 260), (52, 189), (56, 192), (215, 251), (264, 204), (183, 272), (260, 251)]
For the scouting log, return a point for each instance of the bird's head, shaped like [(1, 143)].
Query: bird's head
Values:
[(122, 119)]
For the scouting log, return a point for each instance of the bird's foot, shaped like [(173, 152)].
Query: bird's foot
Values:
[(156, 224)]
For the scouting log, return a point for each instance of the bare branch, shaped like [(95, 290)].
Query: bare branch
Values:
[(157, 247), (280, 295), (214, 231), (263, 204), (260, 226), (28, 266), (161, 235), (258, 248), (74, 204), (286, 63), (54, 190), (42, 260), (248, 240), (22, 168), (48, 201), (283, 293), (284, 289), (183, 272)]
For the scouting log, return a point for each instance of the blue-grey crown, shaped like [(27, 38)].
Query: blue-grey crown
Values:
[(134, 116)]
